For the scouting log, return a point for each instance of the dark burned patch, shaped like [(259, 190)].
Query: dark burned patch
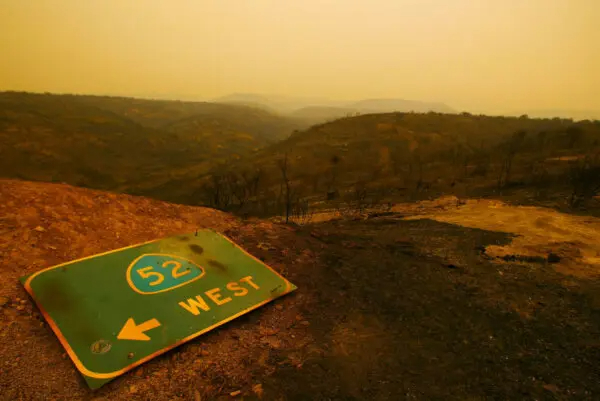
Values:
[(218, 265), (183, 238), (55, 295), (59, 298), (197, 249)]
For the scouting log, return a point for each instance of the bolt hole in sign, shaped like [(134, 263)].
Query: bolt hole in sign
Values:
[(117, 310)]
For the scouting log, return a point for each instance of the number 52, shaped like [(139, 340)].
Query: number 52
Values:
[(176, 272)]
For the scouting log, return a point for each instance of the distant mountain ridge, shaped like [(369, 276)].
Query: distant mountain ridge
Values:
[(318, 107), (313, 107)]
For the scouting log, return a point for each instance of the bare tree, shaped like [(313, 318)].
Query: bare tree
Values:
[(251, 180), (332, 177), (465, 164), (512, 146), (418, 161), (239, 191), (216, 192), (574, 136), (482, 165), (359, 198), (584, 177), (457, 161), (356, 201), (539, 172), (301, 210), (542, 141), (283, 165)]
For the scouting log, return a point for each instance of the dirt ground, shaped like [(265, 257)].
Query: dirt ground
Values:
[(387, 308)]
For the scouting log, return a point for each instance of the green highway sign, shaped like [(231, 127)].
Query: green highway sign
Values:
[(119, 309)]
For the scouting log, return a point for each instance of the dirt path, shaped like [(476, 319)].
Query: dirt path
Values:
[(386, 309)]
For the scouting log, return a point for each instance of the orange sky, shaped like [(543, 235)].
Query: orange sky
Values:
[(472, 54)]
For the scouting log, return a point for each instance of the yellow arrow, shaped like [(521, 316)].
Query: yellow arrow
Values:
[(131, 331)]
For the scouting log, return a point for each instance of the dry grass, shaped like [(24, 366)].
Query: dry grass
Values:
[(539, 231)]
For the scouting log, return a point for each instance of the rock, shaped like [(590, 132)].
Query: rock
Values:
[(272, 342), (551, 387), (258, 390), (23, 302), (132, 389), (39, 229), (279, 307), (235, 393), (553, 258), (20, 307), (305, 323), (481, 249), (268, 332), (4, 301), (264, 246)]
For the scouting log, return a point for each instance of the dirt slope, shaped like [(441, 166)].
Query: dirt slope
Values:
[(46, 224), (386, 309)]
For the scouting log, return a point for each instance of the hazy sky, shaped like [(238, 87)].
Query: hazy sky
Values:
[(472, 54)]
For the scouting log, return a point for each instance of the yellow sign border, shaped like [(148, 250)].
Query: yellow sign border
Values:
[(85, 371)]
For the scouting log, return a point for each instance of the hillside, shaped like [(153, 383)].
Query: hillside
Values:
[(388, 327), (124, 144), (406, 156)]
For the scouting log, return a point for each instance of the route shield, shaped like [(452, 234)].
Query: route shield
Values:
[(119, 309)]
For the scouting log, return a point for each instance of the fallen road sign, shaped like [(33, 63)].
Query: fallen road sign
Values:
[(117, 310)]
